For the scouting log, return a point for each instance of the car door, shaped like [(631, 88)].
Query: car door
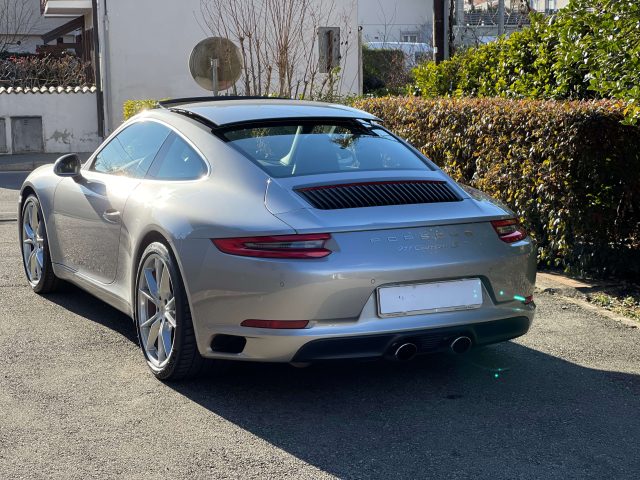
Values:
[(88, 210)]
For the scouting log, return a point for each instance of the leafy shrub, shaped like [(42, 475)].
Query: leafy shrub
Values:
[(133, 107), (383, 71), (34, 71), (590, 49), (569, 169)]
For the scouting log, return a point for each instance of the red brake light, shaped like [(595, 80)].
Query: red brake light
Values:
[(279, 246), (277, 324), (509, 231)]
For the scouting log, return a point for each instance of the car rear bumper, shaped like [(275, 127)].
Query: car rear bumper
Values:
[(337, 295), (370, 336), (427, 341)]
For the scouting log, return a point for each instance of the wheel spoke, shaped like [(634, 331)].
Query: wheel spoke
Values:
[(33, 218), (171, 304), (29, 241), (171, 318), (150, 320), (164, 343), (33, 263), (164, 286), (40, 257), (148, 296), (153, 335), (151, 284), (28, 232), (27, 220)]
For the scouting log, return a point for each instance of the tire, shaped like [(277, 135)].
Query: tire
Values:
[(34, 244), (173, 321)]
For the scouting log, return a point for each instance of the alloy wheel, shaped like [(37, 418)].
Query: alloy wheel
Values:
[(156, 310), (32, 242)]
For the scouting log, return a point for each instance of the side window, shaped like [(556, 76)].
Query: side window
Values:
[(131, 152), (178, 161)]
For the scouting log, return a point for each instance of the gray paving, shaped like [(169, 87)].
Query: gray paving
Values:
[(9, 187), (76, 402)]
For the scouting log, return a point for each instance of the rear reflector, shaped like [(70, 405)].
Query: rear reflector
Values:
[(277, 324), (279, 246), (509, 231), (528, 300)]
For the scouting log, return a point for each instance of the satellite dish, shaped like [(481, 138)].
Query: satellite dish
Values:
[(215, 64)]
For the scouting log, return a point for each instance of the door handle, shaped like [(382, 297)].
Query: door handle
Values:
[(111, 216)]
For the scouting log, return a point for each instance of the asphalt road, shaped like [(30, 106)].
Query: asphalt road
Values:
[(76, 401)]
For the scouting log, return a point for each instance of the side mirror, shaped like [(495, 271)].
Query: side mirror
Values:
[(68, 166)]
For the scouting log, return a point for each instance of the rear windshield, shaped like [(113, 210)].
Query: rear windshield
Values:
[(310, 148)]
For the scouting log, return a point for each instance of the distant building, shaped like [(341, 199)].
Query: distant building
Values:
[(548, 6), (407, 21), (477, 20), (140, 48), (23, 33)]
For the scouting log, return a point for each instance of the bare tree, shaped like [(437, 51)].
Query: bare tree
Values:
[(16, 22), (387, 21), (278, 43)]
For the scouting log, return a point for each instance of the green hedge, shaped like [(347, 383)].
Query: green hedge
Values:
[(383, 71), (133, 107), (590, 49), (569, 169)]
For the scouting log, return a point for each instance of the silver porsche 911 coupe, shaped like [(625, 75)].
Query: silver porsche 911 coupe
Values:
[(279, 231)]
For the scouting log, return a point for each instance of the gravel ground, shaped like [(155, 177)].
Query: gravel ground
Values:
[(76, 401)]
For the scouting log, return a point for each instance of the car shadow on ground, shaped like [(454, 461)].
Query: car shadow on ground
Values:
[(86, 305), (503, 411)]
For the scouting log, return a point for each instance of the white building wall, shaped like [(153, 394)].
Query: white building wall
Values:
[(389, 20), (146, 46), (69, 120)]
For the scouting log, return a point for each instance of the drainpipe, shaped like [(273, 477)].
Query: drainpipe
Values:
[(101, 22), (97, 70), (360, 77)]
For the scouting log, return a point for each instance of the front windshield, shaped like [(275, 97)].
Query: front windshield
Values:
[(310, 148)]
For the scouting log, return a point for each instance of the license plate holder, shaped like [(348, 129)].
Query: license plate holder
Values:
[(429, 297)]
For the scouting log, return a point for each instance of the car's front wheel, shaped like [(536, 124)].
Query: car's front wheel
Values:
[(35, 247), (163, 318)]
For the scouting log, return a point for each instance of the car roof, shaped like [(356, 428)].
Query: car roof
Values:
[(221, 112)]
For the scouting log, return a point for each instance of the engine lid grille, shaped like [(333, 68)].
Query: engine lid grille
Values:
[(377, 194)]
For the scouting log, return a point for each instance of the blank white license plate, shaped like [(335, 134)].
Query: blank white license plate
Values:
[(430, 297)]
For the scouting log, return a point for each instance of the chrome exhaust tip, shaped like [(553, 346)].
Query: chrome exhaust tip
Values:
[(405, 352), (461, 345)]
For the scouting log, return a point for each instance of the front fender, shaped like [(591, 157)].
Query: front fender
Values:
[(43, 182)]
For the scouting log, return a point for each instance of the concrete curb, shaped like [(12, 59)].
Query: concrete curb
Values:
[(576, 291)]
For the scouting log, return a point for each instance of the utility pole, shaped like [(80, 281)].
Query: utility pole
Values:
[(500, 17), (438, 30), (447, 26)]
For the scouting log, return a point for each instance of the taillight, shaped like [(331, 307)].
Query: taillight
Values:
[(279, 246), (276, 324), (509, 231)]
